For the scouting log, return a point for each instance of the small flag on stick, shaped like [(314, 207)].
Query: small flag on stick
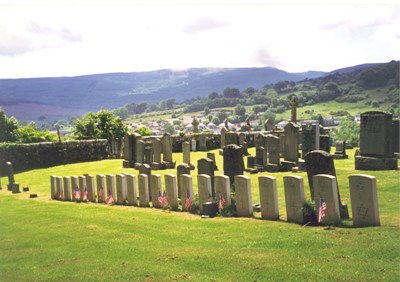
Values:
[(85, 194), (77, 194), (221, 201), (189, 201), (162, 199), (110, 198), (321, 210), (101, 192)]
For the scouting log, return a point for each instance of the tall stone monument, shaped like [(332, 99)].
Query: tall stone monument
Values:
[(376, 148)]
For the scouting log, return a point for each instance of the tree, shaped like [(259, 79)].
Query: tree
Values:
[(206, 110), (348, 130), (169, 128), (144, 131), (213, 95), (30, 134), (231, 92), (240, 110), (123, 112), (8, 127), (103, 125)]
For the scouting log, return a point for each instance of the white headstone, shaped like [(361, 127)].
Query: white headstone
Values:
[(101, 188), (121, 186), (110, 181), (186, 188), (143, 181), (268, 197), (244, 206), (67, 188), (204, 187), (90, 188), (294, 198), (131, 189), (364, 200), (325, 189), (222, 186), (155, 189), (171, 190)]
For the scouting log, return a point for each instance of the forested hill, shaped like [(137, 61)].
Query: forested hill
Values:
[(62, 97), (375, 85)]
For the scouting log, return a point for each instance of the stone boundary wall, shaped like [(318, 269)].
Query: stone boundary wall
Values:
[(38, 155)]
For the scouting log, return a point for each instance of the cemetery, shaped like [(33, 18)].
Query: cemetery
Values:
[(260, 200)]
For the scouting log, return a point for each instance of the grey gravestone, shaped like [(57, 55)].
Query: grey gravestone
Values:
[(59, 188), (10, 174), (268, 125), (90, 188), (53, 190), (223, 188), (340, 152), (82, 186), (268, 197), (110, 182), (294, 198), (261, 157), (194, 145), (171, 190), (325, 187), (121, 186), (145, 169), (131, 189), (203, 142), (211, 156), (144, 199), (157, 151), (186, 190), (206, 166), (75, 186), (273, 148), (204, 188), (376, 148), (186, 152), (321, 162), (293, 105), (291, 141), (182, 169), (244, 205), (101, 188), (364, 200), (324, 143), (167, 148), (155, 189), (195, 124), (140, 145), (231, 138), (148, 152), (67, 188), (233, 161), (310, 137), (223, 137)]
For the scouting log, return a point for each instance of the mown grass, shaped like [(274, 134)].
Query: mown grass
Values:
[(46, 240)]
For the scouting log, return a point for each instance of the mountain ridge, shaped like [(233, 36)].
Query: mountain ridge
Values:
[(62, 97)]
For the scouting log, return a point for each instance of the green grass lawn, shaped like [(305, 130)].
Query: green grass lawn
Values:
[(46, 240)]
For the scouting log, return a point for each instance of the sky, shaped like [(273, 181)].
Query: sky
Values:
[(71, 38)]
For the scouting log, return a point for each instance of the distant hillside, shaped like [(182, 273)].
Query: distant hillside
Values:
[(63, 97)]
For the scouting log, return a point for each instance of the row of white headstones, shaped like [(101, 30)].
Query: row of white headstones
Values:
[(121, 189)]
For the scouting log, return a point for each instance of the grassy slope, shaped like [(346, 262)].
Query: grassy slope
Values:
[(50, 240)]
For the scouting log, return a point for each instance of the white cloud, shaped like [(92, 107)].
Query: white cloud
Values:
[(52, 40)]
